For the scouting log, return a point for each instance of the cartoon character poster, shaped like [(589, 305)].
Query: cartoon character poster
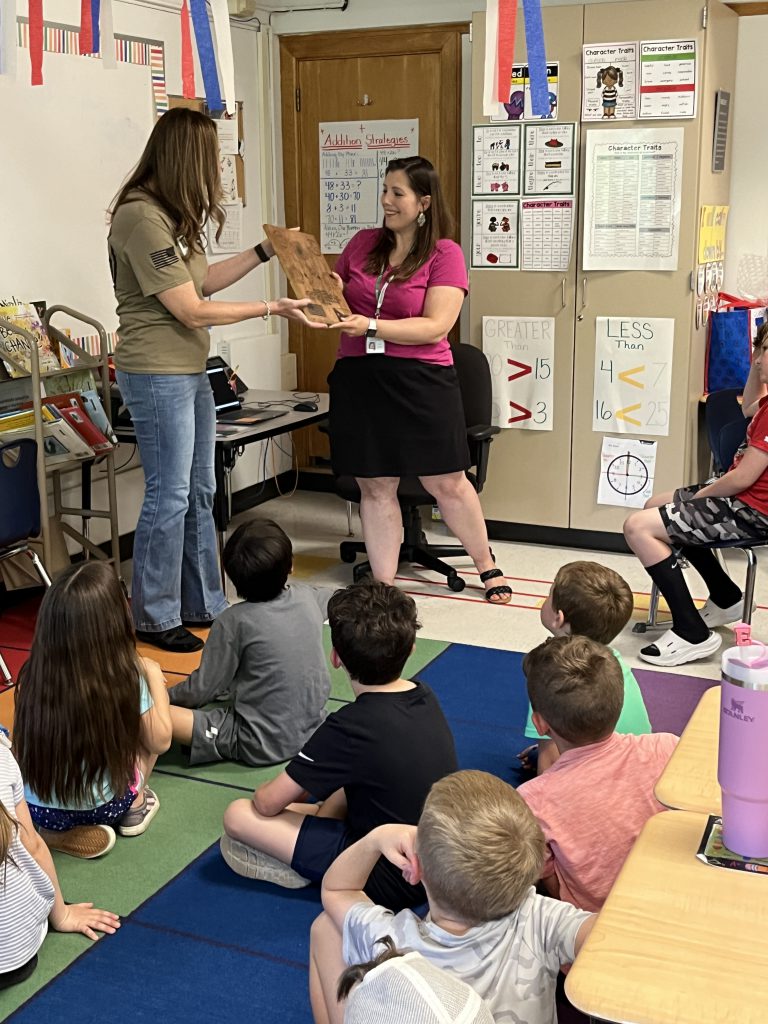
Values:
[(518, 107), (495, 234), (609, 76)]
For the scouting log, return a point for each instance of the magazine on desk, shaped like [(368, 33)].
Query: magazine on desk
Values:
[(714, 851)]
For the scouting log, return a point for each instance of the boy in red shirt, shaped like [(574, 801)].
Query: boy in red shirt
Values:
[(732, 507)]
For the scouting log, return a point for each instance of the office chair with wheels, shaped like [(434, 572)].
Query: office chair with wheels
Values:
[(19, 509), (726, 430), (475, 384)]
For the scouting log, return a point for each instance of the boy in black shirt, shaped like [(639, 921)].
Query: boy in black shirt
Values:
[(371, 763)]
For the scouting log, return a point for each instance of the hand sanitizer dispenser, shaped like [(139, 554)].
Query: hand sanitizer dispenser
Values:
[(742, 769)]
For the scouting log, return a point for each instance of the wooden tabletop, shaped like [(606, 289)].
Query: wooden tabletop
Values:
[(678, 941), (689, 782)]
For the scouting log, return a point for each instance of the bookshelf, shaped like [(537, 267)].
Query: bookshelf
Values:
[(99, 365)]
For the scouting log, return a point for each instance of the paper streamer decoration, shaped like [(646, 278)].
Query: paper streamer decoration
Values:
[(505, 48), (187, 58), (490, 78), (207, 57), (86, 29), (36, 40), (95, 17), (537, 58), (8, 37), (220, 11), (107, 33)]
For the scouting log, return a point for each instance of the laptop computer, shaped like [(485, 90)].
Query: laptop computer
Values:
[(229, 406)]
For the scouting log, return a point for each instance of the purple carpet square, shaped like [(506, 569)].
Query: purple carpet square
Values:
[(670, 699)]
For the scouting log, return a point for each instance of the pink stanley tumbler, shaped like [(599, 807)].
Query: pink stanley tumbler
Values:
[(742, 769)]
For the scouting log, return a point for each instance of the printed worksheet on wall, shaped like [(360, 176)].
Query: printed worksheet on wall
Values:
[(546, 233), (632, 188), (548, 163), (609, 82), (496, 160), (495, 233)]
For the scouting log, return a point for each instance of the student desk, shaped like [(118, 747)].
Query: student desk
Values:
[(231, 439), (689, 781), (677, 941)]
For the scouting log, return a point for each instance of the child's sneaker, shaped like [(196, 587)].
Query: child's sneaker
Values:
[(136, 820), (250, 863), (85, 841), (715, 616)]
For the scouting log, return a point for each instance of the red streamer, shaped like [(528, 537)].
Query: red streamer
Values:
[(36, 40), (86, 27), (506, 48), (187, 60)]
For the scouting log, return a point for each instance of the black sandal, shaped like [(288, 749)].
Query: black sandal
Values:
[(501, 591)]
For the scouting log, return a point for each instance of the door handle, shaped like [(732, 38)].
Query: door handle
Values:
[(564, 303), (583, 298)]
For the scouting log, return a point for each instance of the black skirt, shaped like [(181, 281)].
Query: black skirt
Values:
[(396, 417)]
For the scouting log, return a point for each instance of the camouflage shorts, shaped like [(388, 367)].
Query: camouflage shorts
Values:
[(691, 520)]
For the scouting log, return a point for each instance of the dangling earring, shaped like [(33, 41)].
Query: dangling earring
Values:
[(421, 220)]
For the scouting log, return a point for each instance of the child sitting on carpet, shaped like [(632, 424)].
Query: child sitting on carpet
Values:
[(30, 897), (478, 851), (372, 761), (91, 716), (266, 653), (593, 802), (588, 599)]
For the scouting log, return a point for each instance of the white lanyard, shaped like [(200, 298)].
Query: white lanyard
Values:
[(375, 346)]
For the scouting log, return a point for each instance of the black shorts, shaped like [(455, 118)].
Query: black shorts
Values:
[(319, 843), (691, 520)]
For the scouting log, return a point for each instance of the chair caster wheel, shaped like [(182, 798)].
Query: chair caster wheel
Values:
[(640, 627), (360, 572), (347, 555), (456, 583)]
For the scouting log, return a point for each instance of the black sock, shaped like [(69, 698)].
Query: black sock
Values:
[(723, 591), (686, 621)]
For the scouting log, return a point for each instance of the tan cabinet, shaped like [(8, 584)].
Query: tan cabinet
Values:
[(549, 479)]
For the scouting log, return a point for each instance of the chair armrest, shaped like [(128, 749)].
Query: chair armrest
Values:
[(482, 432), (323, 427)]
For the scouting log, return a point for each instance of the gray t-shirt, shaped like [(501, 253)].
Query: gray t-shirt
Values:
[(512, 963), (269, 657), (26, 892)]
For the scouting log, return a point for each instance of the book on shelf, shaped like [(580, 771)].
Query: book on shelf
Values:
[(713, 850), (73, 409), (61, 442), (17, 347), (95, 410)]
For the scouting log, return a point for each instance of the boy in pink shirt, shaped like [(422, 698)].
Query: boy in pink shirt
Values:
[(594, 800)]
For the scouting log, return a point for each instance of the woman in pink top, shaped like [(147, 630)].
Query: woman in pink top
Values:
[(396, 407)]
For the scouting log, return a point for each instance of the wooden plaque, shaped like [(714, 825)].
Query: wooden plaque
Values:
[(309, 274)]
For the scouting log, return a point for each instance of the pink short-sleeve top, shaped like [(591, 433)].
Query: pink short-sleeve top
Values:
[(402, 299)]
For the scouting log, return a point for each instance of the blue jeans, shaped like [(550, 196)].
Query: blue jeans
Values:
[(175, 555)]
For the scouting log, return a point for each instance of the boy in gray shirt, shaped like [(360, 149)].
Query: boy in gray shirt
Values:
[(266, 653)]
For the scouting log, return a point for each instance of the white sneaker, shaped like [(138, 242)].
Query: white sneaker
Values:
[(250, 863), (715, 616), (670, 649)]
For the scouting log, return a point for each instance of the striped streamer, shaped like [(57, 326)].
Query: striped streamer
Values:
[(187, 59), (107, 34), (8, 37), (537, 58), (95, 17), (490, 77), (224, 52), (36, 40), (86, 27), (204, 42), (506, 48)]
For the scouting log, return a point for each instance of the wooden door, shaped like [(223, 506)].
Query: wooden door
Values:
[(544, 456), (412, 72)]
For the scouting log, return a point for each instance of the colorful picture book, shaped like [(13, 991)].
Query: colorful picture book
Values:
[(15, 349), (714, 851)]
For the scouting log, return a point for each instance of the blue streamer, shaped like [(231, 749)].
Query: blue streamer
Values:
[(204, 41), (95, 14), (537, 58)]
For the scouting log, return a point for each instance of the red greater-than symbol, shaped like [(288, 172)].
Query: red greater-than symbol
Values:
[(525, 414), (524, 369)]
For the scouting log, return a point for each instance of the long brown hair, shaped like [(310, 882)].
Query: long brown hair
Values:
[(8, 829), (77, 724), (179, 169), (423, 179)]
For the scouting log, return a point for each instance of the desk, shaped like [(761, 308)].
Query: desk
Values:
[(678, 941), (228, 444), (689, 781)]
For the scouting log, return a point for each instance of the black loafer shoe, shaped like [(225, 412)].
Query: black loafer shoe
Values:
[(178, 640), (197, 623)]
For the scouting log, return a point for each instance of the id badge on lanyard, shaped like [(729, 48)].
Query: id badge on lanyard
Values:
[(377, 346)]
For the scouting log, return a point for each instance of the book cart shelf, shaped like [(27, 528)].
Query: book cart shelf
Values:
[(85, 512)]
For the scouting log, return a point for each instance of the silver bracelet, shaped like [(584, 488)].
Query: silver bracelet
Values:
[(268, 314)]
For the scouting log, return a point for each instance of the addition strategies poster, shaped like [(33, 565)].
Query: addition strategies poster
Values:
[(633, 375), (633, 182), (521, 354)]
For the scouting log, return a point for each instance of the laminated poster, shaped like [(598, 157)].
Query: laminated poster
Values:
[(633, 180), (495, 233), (668, 78), (609, 76), (549, 158), (496, 160), (627, 467), (521, 354), (519, 107), (353, 158), (633, 375), (547, 233)]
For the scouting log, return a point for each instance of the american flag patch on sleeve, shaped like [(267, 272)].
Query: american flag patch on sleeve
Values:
[(164, 258)]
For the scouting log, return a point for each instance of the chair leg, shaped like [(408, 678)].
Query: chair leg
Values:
[(39, 567), (749, 585), (350, 531)]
